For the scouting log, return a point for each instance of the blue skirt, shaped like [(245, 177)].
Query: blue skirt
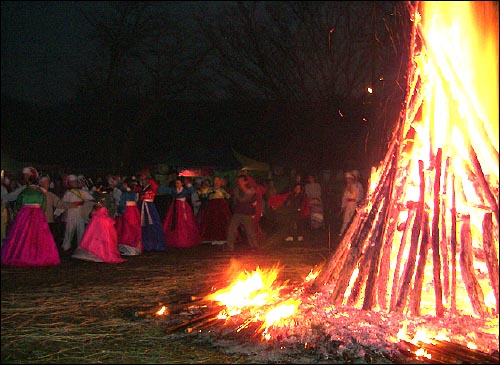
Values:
[(153, 238)]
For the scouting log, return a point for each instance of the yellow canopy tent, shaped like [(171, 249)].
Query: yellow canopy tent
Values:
[(249, 164)]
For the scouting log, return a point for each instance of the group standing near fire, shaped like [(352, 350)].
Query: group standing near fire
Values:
[(95, 222)]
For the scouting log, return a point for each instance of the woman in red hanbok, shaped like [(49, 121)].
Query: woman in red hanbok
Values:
[(216, 215), (180, 227), (99, 242), (128, 222)]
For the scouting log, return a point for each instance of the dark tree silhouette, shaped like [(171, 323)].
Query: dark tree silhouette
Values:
[(315, 60)]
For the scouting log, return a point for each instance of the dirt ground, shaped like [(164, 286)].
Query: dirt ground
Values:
[(85, 312)]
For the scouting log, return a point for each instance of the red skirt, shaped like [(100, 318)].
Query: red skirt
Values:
[(128, 228), (180, 226), (215, 222)]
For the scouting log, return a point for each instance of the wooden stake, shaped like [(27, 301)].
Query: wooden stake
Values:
[(416, 293), (490, 254), (444, 236), (453, 242), (436, 259), (474, 290), (388, 239), (397, 270), (415, 234)]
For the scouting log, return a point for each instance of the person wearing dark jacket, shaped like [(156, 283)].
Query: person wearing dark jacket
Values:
[(245, 199), (295, 214)]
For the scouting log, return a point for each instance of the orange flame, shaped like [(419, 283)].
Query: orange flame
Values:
[(258, 294)]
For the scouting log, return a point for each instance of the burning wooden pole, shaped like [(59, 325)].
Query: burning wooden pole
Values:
[(436, 259), (468, 272), (412, 255), (396, 236), (490, 254)]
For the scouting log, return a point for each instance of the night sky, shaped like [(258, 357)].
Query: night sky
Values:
[(43, 42)]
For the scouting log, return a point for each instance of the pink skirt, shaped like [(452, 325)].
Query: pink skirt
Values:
[(100, 241), (29, 241)]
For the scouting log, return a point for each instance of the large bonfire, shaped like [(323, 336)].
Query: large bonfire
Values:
[(421, 256)]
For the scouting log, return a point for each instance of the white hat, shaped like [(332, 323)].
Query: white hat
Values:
[(31, 171), (70, 178)]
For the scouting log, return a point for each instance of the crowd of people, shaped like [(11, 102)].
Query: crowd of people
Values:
[(116, 217)]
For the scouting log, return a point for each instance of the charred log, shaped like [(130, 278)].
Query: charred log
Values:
[(443, 352)]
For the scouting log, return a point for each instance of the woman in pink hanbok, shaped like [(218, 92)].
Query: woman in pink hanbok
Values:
[(100, 241), (29, 241)]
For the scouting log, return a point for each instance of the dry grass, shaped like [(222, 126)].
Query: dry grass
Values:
[(82, 312)]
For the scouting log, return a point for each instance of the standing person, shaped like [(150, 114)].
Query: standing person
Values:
[(351, 197), (29, 241), (52, 203), (245, 198), (99, 242), (11, 196), (359, 186), (128, 221), (216, 215), (180, 227), (269, 212), (202, 195), (314, 196), (153, 238), (6, 209), (295, 211), (259, 206), (73, 211)]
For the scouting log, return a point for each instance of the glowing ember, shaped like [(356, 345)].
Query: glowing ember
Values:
[(163, 311)]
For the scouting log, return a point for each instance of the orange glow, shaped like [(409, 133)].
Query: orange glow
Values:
[(162, 311), (458, 70)]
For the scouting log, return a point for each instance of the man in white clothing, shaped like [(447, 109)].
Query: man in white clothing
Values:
[(74, 216)]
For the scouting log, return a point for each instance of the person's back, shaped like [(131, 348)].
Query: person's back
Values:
[(244, 201), (245, 198), (313, 193)]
